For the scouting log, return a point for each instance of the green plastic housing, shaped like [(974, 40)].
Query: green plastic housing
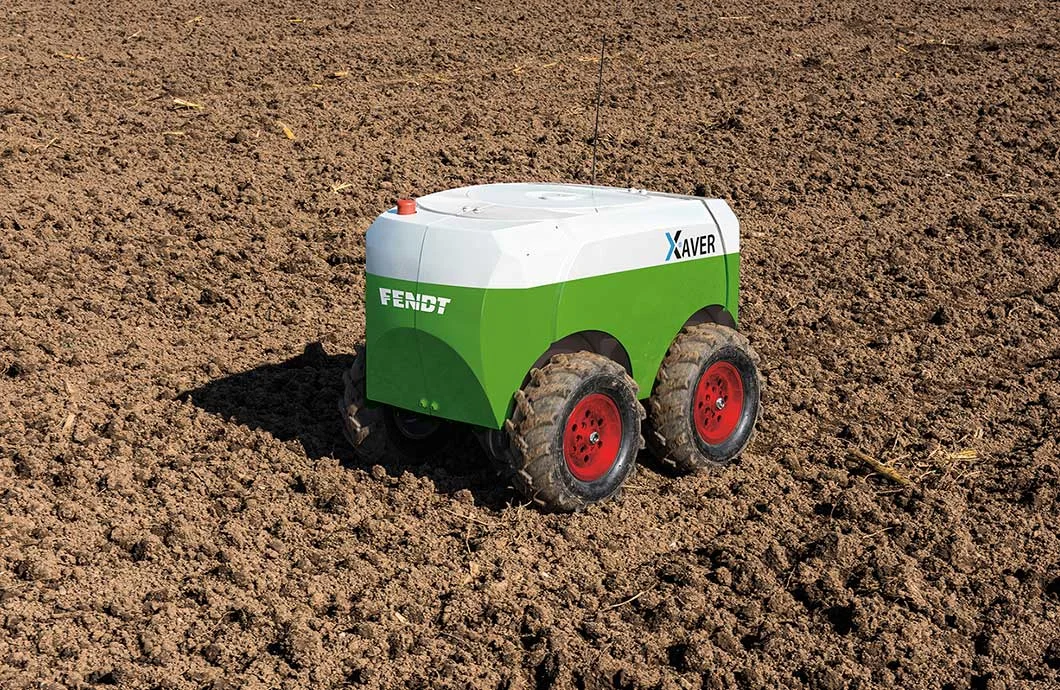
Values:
[(466, 364)]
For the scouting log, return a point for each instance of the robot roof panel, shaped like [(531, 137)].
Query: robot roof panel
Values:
[(528, 202)]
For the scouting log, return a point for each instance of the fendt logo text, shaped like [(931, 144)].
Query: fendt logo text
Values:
[(690, 246), (400, 299)]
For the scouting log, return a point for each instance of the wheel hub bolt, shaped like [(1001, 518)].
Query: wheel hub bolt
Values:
[(594, 438), (720, 403)]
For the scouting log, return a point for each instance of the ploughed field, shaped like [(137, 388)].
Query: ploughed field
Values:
[(184, 190)]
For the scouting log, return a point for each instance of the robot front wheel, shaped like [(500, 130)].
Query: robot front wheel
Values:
[(574, 435)]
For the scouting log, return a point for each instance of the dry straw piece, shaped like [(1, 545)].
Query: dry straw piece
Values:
[(880, 468)]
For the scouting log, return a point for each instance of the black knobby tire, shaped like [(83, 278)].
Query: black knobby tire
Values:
[(546, 447), (380, 432), (706, 368)]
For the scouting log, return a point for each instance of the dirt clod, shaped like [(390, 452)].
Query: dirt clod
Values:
[(941, 317)]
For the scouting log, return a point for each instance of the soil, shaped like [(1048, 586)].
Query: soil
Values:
[(184, 190)]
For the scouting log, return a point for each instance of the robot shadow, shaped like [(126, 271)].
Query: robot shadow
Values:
[(297, 400)]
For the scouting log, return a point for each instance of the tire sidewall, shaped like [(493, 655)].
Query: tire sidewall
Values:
[(725, 452), (625, 400)]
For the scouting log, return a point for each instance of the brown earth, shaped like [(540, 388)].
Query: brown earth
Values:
[(894, 165)]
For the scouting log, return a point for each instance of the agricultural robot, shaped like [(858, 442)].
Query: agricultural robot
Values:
[(562, 323)]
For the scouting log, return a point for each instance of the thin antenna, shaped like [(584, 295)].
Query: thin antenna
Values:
[(599, 97)]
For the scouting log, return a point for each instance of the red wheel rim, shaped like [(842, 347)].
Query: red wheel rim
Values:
[(718, 404), (592, 437)]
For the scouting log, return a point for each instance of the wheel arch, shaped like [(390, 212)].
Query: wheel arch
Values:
[(714, 313), (599, 342)]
